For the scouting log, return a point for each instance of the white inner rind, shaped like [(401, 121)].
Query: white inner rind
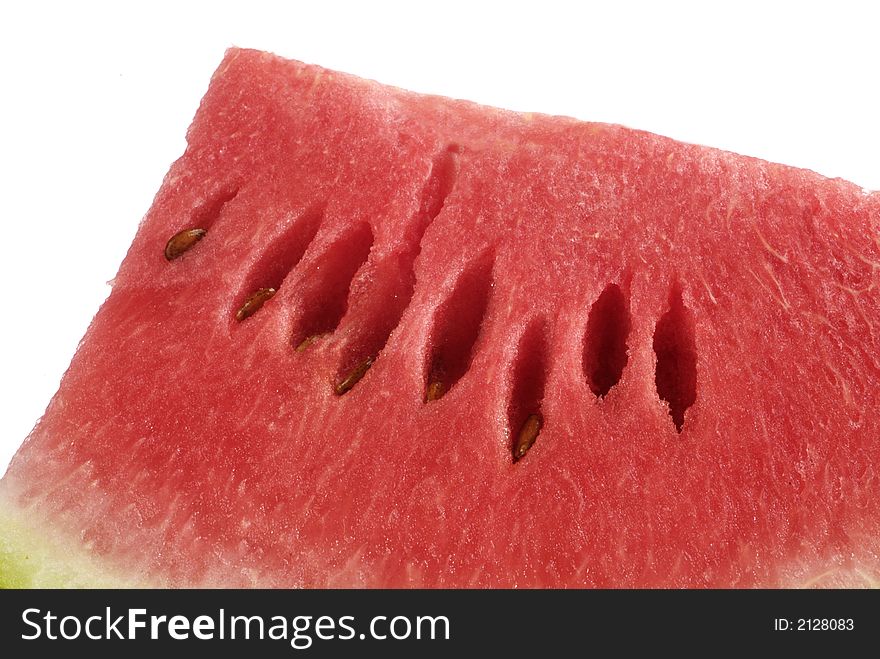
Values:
[(34, 555)]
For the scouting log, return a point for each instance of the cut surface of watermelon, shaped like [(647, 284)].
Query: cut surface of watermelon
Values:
[(365, 337)]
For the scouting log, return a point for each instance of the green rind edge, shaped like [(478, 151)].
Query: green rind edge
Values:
[(34, 555)]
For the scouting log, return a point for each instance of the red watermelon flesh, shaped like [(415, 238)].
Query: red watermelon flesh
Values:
[(503, 350)]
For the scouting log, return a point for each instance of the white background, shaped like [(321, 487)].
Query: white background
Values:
[(95, 101)]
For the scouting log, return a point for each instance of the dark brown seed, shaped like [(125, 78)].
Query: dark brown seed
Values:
[(434, 391), (182, 241), (254, 303), (527, 436), (354, 377), (309, 340)]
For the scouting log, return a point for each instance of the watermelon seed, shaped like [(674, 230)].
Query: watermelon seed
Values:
[(434, 391), (354, 376), (309, 340), (254, 303), (527, 436), (203, 217), (183, 241)]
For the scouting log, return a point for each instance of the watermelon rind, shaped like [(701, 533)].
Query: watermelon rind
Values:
[(33, 556)]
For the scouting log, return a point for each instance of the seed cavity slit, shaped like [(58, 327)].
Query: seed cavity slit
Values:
[(201, 220), (375, 315), (676, 352), (278, 260), (524, 411), (325, 291), (441, 181), (605, 342), (456, 329), (206, 214)]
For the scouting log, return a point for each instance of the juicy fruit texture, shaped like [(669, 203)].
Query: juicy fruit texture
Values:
[(499, 350)]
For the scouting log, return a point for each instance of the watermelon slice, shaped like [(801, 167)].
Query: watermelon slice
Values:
[(370, 338)]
